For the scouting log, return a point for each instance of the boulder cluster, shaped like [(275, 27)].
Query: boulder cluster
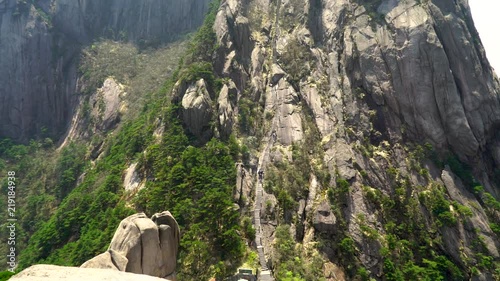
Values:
[(141, 245)]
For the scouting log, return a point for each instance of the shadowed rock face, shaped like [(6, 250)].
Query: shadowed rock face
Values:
[(142, 245), (196, 109), (427, 68), (40, 47)]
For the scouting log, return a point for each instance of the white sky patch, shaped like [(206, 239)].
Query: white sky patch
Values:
[(487, 21)]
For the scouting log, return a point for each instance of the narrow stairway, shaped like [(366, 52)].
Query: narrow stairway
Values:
[(265, 272)]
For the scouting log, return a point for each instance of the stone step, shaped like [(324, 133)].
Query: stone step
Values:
[(265, 275)]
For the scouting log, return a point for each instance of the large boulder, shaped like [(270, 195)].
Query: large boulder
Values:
[(226, 103), (42, 272), (197, 109), (107, 104), (324, 220), (142, 245)]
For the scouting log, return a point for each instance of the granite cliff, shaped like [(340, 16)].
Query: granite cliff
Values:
[(365, 136), (377, 125), (40, 50)]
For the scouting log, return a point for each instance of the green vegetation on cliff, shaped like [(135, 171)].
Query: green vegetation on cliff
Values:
[(72, 206)]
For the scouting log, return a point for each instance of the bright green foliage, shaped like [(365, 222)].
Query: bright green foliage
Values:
[(197, 63), (408, 250), (5, 275), (11, 151), (439, 206), (363, 274), (83, 224), (491, 202), (289, 185), (43, 176), (342, 185), (296, 60), (69, 166), (391, 272), (201, 70), (338, 194), (496, 228), (248, 229), (247, 110), (492, 208), (290, 263), (347, 246), (284, 243), (90, 213), (203, 44), (462, 170), (196, 184), (437, 268)]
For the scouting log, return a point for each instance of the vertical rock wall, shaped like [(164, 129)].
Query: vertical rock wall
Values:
[(40, 45)]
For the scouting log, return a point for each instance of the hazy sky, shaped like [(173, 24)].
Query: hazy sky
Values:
[(487, 21)]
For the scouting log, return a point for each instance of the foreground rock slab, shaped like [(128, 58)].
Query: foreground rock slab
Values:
[(142, 245), (44, 272)]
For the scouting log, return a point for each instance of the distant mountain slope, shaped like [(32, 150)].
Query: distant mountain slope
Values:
[(40, 48)]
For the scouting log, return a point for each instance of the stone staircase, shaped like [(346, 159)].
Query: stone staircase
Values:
[(265, 273)]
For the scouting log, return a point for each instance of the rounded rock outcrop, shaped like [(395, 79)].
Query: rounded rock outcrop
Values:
[(142, 245)]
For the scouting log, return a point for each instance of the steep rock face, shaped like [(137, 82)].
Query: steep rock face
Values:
[(101, 114), (349, 91), (197, 109), (324, 220), (107, 104), (40, 46), (426, 68), (142, 245), (37, 74), (227, 102), (145, 22)]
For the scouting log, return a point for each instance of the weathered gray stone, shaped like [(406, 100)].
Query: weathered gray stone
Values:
[(283, 100), (197, 109), (377, 78), (142, 245), (169, 241), (333, 272), (107, 260), (324, 220), (44, 272), (226, 102)]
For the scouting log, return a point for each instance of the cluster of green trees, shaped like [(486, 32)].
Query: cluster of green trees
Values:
[(44, 177), (291, 262), (5, 275), (84, 222), (68, 223), (195, 184)]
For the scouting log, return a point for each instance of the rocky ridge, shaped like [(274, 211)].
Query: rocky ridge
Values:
[(383, 105), (143, 246), (56, 273), (39, 67)]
